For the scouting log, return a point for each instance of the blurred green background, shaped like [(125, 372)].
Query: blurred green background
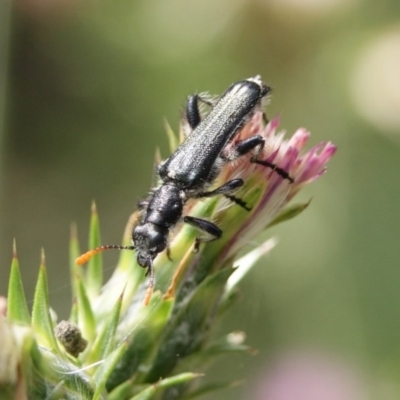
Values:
[(84, 91)]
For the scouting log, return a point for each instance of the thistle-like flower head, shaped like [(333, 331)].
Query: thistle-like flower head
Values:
[(115, 347), (267, 192)]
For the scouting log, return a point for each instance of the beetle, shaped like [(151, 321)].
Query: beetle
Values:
[(191, 170)]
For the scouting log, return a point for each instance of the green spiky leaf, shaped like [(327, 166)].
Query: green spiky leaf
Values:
[(17, 308), (106, 368), (289, 213), (106, 337), (122, 391), (94, 277), (211, 388), (41, 319), (166, 383), (86, 319), (173, 140), (74, 252)]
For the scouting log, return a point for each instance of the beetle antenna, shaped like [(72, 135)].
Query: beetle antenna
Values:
[(84, 258)]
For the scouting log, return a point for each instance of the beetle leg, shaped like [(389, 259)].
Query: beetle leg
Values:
[(225, 191), (192, 112), (249, 144), (212, 231)]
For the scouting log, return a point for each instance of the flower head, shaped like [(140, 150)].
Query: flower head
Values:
[(266, 190), (266, 193), (135, 350)]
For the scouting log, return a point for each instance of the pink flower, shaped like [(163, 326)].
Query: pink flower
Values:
[(265, 190)]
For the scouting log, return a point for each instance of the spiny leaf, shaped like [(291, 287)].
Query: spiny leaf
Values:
[(157, 157), (211, 387), (243, 266), (73, 317), (289, 213), (94, 278), (41, 319), (180, 379), (172, 138), (74, 252), (106, 368), (122, 391), (106, 337), (17, 309), (157, 160), (86, 320)]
